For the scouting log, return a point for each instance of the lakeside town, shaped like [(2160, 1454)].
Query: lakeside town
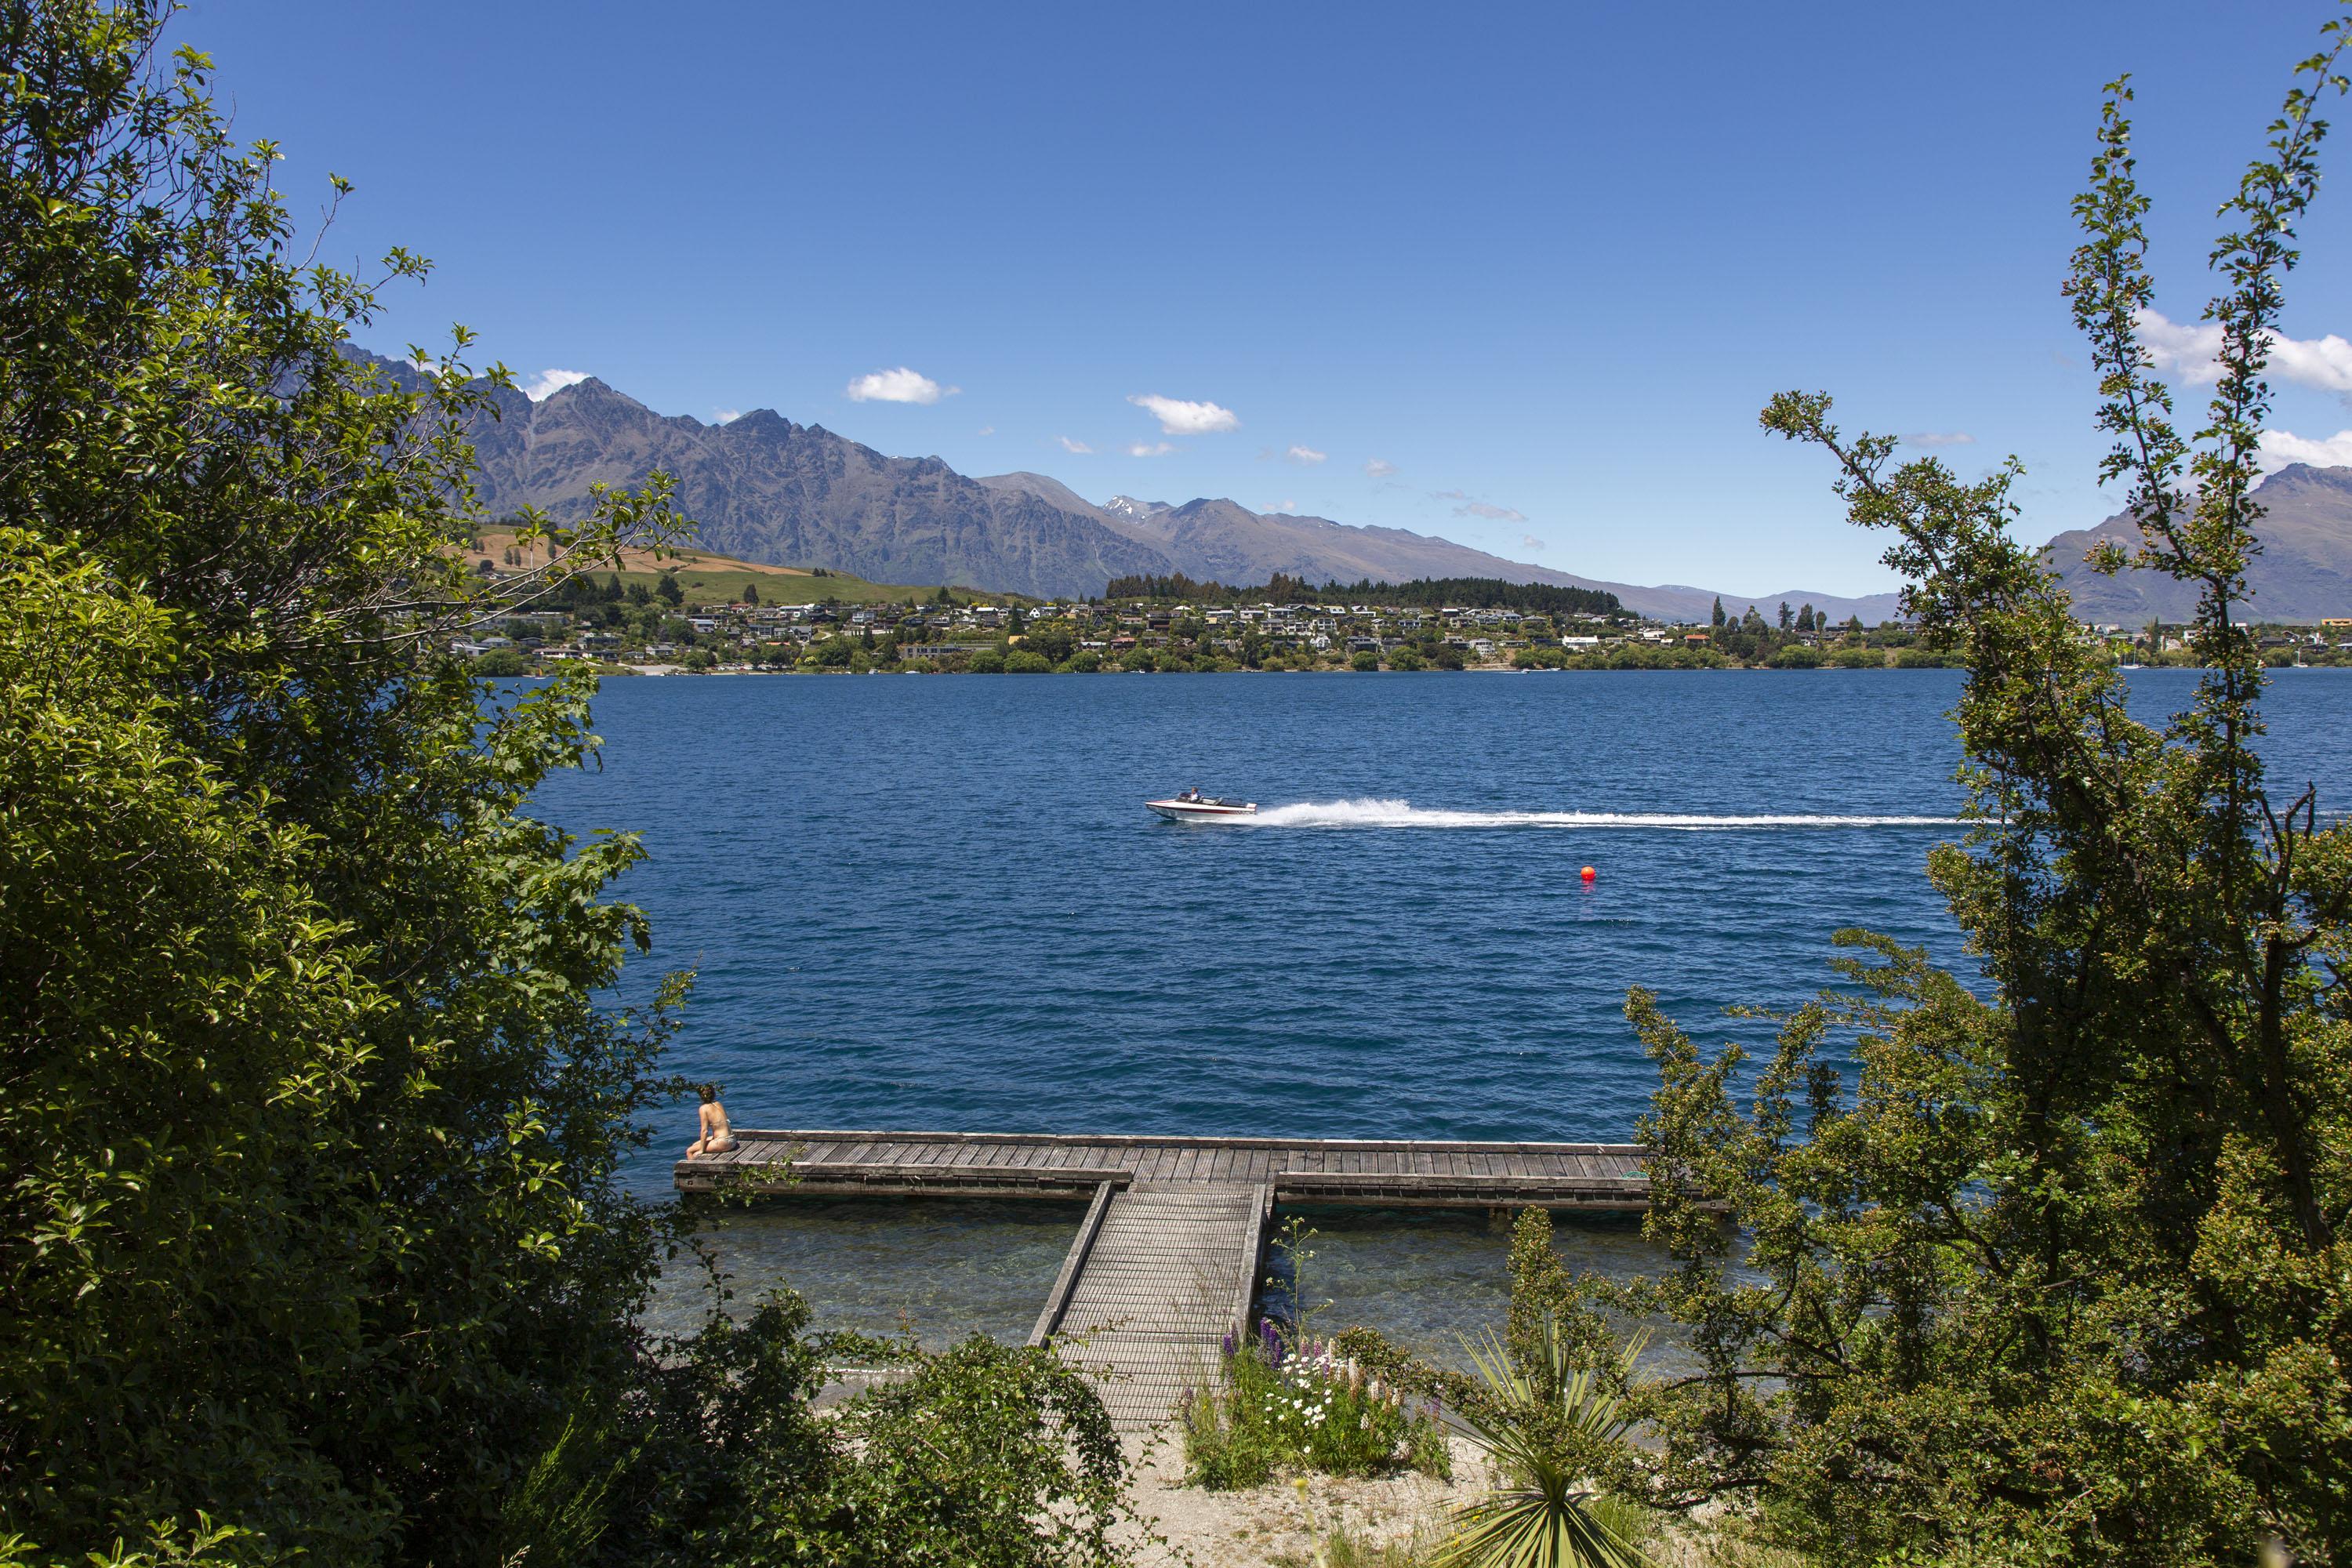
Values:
[(651, 623)]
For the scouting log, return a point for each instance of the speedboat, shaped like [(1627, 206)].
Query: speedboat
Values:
[(1194, 807)]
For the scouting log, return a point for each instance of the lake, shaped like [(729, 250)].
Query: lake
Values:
[(936, 902)]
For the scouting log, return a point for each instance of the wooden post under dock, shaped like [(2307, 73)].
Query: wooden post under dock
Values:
[(1166, 1262)]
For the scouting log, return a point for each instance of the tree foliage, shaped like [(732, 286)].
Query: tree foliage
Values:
[(310, 1111), (2058, 1270), (313, 1101)]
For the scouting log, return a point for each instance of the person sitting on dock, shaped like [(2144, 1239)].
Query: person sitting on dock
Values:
[(718, 1136)]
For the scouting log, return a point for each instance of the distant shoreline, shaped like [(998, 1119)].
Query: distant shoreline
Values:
[(663, 672)]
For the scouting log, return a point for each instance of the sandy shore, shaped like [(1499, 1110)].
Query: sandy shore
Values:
[(1248, 1529)]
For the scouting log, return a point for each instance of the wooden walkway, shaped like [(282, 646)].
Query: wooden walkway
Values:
[(1383, 1173), (1166, 1262), (1156, 1281)]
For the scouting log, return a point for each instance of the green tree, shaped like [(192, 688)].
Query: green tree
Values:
[(312, 1104), (751, 592), (2054, 1271), (312, 1115), (1055, 639), (830, 653), (1718, 613), (665, 587), (1364, 661)]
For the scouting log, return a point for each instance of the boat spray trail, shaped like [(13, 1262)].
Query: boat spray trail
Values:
[(1377, 812)]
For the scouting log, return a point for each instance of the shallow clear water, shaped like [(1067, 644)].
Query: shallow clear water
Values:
[(937, 903)]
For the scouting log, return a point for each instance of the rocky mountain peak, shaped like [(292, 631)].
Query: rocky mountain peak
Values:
[(1134, 510)]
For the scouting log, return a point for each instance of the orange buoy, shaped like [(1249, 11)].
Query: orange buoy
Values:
[(1587, 873)]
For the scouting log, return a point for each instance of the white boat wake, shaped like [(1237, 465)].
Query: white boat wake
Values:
[(1368, 813)]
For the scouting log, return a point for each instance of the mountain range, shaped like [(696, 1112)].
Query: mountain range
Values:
[(2303, 573), (764, 488)]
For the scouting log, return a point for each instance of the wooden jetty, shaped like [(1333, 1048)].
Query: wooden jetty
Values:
[(1167, 1261)]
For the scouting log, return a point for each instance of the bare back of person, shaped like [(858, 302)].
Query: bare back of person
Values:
[(718, 1133)]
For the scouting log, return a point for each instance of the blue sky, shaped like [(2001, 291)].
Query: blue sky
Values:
[(1517, 275)]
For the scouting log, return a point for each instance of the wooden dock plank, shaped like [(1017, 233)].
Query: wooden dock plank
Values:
[(1378, 1172)]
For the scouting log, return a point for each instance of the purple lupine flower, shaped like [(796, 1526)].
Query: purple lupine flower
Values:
[(1229, 1344)]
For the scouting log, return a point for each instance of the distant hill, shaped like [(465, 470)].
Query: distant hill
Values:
[(707, 577), (765, 489), (2303, 573), (1227, 542)]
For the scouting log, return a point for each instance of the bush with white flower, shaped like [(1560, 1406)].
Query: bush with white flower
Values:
[(1283, 1406)]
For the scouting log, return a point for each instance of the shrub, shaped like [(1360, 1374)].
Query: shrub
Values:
[(1408, 660), (1857, 658), (1021, 661), (1364, 662), (1797, 656), (987, 661), (1085, 661), (1275, 1409), (501, 662), (981, 1454), (1546, 1424)]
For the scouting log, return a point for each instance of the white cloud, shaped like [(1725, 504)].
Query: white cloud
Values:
[(1178, 417), (725, 415), (1149, 449), (1298, 454), (988, 429), (1529, 542), (548, 383), (1492, 513), (1283, 506), (2281, 447), (1378, 468), (2192, 351), (1080, 447), (1939, 439), (900, 385)]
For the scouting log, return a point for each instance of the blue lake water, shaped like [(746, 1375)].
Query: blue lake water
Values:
[(939, 903)]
